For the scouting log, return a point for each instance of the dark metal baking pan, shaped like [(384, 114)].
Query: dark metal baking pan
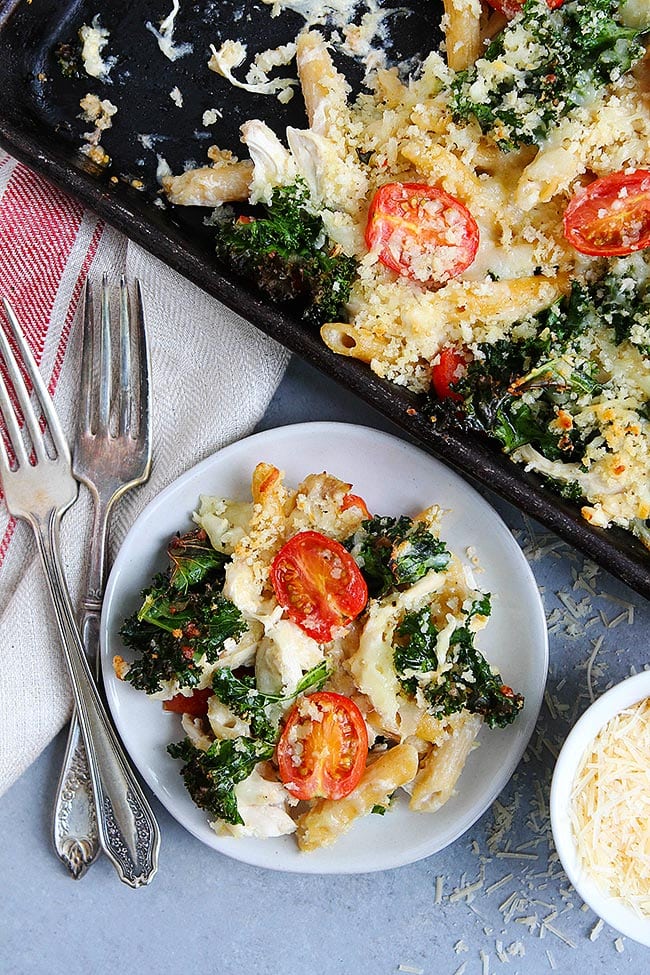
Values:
[(39, 125)]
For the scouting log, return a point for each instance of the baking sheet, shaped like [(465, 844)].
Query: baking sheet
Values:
[(39, 124)]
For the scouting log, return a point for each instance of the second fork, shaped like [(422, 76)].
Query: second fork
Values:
[(112, 453)]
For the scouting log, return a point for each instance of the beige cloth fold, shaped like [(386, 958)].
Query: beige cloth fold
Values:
[(213, 375)]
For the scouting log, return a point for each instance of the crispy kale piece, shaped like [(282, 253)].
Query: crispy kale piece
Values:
[(621, 299), (570, 490), (502, 372), (470, 683), (263, 711), (396, 552), (211, 776), (68, 57), (549, 62), (183, 617), (192, 558), (414, 651), (288, 256)]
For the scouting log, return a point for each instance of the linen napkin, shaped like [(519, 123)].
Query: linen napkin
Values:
[(213, 375)]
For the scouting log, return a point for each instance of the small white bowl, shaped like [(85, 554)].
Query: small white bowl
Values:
[(611, 910)]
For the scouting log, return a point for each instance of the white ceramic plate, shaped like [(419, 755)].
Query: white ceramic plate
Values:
[(394, 478), (615, 912)]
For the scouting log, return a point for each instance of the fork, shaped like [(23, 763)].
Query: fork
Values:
[(38, 484), (112, 453)]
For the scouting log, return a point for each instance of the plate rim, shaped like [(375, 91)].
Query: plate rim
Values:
[(229, 846)]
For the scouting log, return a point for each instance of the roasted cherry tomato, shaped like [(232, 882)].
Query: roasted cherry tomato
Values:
[(196, 704), (354, 501), (323, 747), (611, 216), (421, 232), (447, 370), (510, 8), (318, 583)]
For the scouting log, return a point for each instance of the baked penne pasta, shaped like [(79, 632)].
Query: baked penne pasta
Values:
[(357, 343), (310, 702), (462, 26), (328, 818), (210, 186), (437, 777), (324, 89), (446, 168)]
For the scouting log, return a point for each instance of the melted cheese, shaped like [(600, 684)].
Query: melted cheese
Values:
[(93, 41), (165, 36), (232, 54)]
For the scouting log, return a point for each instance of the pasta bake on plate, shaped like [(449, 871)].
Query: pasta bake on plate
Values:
[(318, 670)]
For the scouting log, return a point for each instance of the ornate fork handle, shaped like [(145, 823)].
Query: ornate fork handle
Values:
[(75, 828), (128, 831)]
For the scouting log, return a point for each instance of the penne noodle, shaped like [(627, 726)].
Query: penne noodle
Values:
[(357, 343), (435, 782), (448, 170), (463, 32), (210, 186), (323, 88), (330, 818), (504, 301)]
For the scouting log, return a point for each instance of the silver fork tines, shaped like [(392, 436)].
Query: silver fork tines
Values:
[(39, 487), (21, 474)]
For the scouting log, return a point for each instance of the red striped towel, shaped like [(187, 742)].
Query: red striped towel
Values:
[(49, 245)]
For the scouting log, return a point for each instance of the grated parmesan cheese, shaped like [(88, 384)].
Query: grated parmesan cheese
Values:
[(610, 808)]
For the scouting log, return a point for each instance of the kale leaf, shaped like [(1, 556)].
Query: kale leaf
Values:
[(183, 616), (286, 253), (621, 300), (470, 683), (211, 776), (396, 552), (68, 57), (192, 558), (415, 647), (263, 711), (567, 55)]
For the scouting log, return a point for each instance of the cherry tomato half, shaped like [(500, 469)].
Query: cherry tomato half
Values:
[(318, 583), (421, 232), (610, 216), (196, 704), (447, 370), (323, 747), (510, 8), (354, 501)]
